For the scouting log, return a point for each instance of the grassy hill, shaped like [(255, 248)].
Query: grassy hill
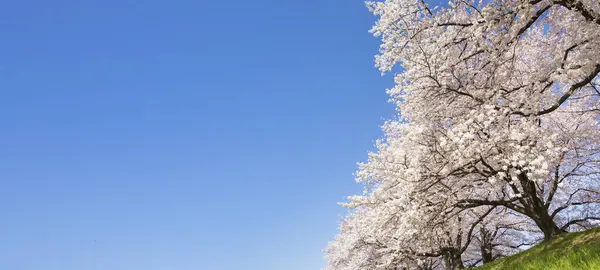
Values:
[(579, 250)]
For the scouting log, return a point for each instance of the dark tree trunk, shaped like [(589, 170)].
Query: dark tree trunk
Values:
[(453, 260), (536, 209), (548, 226), (486, 246)]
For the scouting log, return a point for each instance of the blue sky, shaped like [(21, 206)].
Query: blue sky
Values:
[(182, 134)]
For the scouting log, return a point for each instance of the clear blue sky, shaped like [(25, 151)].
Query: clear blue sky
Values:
[(161, 135)]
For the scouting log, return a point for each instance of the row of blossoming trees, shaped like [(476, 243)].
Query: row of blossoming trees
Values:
[(497, 143)]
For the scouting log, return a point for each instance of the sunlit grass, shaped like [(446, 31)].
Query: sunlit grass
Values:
[(580, 250)]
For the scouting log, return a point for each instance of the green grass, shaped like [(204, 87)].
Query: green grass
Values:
[(579, 250)]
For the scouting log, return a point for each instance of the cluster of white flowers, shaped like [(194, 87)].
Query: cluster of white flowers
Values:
[(498, 106)]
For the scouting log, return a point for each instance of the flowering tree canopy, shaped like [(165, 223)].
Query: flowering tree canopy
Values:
[(499, 105)]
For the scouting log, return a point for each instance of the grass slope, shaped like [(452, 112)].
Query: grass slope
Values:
[(579, 250)]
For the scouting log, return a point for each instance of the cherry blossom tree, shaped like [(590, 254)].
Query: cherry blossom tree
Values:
[(498, 106), (505, 98)]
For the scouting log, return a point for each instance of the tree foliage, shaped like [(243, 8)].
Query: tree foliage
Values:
[(497, 140)]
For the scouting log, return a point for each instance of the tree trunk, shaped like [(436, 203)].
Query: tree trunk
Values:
[(537, 210), (486, 246), (453, 260), (548, 226)]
